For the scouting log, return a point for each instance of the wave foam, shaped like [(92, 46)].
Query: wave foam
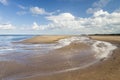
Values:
[(65, 42), (102, 49)]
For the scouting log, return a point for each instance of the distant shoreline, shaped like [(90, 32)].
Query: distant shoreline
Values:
[(59, 34), (54, 38), (104, 35)]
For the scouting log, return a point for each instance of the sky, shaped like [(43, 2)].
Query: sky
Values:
[(59, 17)]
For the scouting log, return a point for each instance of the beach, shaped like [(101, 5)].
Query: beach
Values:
[(108, 69), (60, 40), (104, 70)]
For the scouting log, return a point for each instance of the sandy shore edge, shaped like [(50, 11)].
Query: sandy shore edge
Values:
[(44, 39)]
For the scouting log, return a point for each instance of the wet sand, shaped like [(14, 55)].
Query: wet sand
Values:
[(104, 70), (57, 61)]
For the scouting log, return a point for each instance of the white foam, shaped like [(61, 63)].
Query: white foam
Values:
[(103, 49), (5, 48), (65, 42)]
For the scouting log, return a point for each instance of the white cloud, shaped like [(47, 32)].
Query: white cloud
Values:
[(22, 7), (6, 27), (41, 11), (98, 6), (101, 13), (64, 20), (37, 27), (4, 2), (92, 10), (37, 10), (63, 17), (100, 22)]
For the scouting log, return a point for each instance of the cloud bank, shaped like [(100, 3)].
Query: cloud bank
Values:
[(100, 22), (6, 27)]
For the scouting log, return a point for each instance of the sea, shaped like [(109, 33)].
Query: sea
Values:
[(24, 60)]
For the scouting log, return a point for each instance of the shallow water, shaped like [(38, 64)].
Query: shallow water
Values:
[(19, 61)]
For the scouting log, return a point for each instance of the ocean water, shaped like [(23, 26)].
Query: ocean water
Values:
[(7, 43), (18, 61)]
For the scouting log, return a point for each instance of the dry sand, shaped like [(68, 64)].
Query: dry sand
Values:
[(107, 38), (104, 70), (44, 39)]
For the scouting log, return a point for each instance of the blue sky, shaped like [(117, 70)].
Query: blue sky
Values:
[(59, 16)]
